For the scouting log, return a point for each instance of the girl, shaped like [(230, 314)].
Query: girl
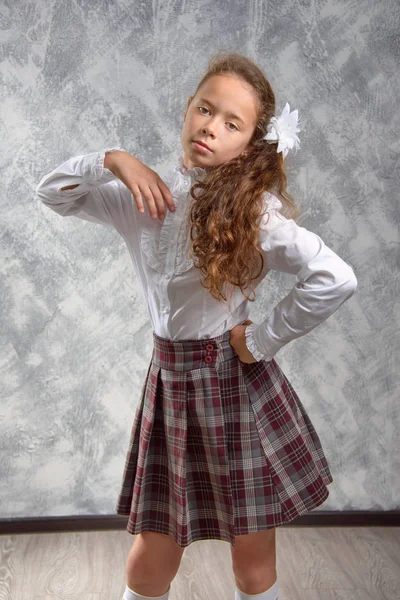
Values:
[(221, 446)]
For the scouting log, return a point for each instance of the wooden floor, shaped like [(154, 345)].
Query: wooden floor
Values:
[(312, 564)]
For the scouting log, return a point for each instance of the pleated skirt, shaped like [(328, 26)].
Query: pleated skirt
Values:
[(218, 447)]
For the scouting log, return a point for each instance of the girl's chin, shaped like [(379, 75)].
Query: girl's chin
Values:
[(194, 159)]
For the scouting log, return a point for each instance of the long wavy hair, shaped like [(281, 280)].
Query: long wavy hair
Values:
[(225, 215)]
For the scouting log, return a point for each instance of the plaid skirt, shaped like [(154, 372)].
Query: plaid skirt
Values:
[(218, 447)]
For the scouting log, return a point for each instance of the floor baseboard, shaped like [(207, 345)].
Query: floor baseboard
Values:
[(354, 518)]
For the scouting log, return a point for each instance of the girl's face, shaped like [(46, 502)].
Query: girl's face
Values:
[(223, 116)]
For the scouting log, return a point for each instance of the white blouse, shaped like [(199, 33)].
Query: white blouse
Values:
[(178, 305)]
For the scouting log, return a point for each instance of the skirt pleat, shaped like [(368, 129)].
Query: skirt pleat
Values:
[(218, 447)]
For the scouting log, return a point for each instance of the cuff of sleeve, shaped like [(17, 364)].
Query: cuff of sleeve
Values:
[(98, 168), (251, 345)]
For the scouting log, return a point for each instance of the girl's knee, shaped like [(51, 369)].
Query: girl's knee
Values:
[(153, 563), (254, 552), (158, 551)]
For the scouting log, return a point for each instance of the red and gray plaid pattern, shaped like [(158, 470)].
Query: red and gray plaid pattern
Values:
[(218, 447)]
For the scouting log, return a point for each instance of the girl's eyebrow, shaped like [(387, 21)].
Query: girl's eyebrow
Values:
[(228, 114)]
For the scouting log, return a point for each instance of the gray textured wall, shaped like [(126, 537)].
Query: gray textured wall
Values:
[(75, 336)]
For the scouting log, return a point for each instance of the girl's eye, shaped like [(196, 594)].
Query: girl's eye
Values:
[(200, 107)]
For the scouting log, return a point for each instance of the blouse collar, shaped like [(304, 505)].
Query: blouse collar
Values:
[(197, 172)]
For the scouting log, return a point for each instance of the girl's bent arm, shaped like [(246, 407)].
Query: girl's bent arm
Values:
[(84, 188), (325, 281)]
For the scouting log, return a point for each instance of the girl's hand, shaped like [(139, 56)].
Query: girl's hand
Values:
[(238, 341), (140, 180)]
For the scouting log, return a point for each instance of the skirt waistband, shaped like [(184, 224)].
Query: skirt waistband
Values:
[(184, 355)]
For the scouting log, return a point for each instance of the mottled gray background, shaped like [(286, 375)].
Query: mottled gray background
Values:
[(75, 336)]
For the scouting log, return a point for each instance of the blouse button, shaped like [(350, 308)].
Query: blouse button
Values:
[(209, 347), (208, 359)]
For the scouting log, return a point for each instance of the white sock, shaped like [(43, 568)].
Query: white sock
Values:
[(131, 595), (270, 594)]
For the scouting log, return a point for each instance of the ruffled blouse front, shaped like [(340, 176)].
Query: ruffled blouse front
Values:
[(156, 240)]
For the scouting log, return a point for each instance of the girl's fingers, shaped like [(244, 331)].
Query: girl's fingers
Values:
[(148, 196), (144, 183), (139, 194), (159, 200), (155, 195), (137, 197), (166, 194)]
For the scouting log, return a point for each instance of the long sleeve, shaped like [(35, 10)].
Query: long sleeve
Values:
[(100, 196), (325, 282)]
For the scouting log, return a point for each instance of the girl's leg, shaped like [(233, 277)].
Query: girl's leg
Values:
[(254, 561), (152, 563)]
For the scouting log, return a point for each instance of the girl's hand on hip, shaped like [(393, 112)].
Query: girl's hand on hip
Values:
[(237, 340), (141, 181)]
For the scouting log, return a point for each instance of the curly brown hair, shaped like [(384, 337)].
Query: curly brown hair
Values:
[(224, 217)]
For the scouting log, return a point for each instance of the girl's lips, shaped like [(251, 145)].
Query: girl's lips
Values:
[(201, 148)]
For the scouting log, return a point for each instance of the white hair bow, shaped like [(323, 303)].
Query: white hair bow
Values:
[(283, 129)]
